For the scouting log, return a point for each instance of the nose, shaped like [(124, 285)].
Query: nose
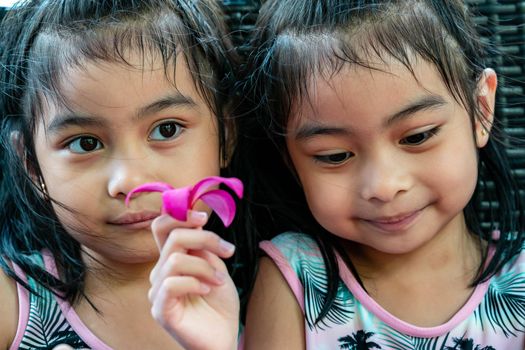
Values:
[(383, 178), (126, 174)]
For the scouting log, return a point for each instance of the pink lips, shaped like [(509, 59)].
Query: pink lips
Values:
[(135, 220), (395, 223)]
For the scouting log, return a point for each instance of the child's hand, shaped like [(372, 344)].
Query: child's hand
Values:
[(192, 294)]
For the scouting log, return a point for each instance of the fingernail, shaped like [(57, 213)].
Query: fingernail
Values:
[(204, 288), (198, 215), (220, 276), (226, 247)]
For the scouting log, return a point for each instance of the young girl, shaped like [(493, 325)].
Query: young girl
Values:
[(97, 98), (387, 112), (383, 111)]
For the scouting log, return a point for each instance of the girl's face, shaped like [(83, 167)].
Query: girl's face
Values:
[(384, 160), (125, 126)]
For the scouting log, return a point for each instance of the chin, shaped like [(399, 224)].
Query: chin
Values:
[(394, 248), (130, 254), (143, 255)]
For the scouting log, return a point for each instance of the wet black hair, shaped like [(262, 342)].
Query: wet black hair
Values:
[(40, 39), (295, 40)]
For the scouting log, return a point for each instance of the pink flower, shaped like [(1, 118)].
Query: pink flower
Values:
[(177, 201)]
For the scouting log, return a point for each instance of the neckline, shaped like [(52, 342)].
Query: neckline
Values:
[(71, 315), (402, 326)]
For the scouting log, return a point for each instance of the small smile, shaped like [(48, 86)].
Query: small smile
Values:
[(395, 223)]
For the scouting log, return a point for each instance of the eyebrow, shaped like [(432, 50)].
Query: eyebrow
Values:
[(310, 130), (63, 121), (423, 103), (426, 102), (176, 100)]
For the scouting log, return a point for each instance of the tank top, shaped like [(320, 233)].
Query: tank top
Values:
[(492, 318), (45, 320)]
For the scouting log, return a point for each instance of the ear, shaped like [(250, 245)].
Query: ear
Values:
[(486, 98), (17, 142)]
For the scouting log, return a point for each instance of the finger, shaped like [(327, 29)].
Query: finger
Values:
[(183, 240), (163, 224), (171, 291), (179, 264), (212, 260), (218, 265)]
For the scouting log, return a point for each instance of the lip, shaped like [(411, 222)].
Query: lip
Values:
[(395, 223), (134, 221)]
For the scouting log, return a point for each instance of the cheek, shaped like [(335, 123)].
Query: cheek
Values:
[(198, 157), (78, 190), (77, 223), (328, 201), (461, 163), (189, 165), (210, 154), (458, 174), (466, 179)]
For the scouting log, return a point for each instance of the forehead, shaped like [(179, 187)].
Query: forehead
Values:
[(60, 54), (102, 85), (375, 89), (366, 101), (302, 57)]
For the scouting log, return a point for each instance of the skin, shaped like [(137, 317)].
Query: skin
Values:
[(377, 154), (399, 222), (8, 306), (191, 289), (128, 125), (128, 149)]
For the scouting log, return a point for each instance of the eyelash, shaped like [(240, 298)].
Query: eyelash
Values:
[(97, 145), (179, 128), (427, 135), (326, 159), (79, 139)]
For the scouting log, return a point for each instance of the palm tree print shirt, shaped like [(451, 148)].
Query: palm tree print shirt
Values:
[(45, 321), (492, 319)]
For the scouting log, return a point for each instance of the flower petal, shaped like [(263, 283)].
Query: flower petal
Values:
[(222, 203), (149, 187), (176, 202), (202, 186)]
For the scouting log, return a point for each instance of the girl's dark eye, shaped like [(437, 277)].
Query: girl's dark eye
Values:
[(84, 144), (334, 158), (165, 131), (419, 138)]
